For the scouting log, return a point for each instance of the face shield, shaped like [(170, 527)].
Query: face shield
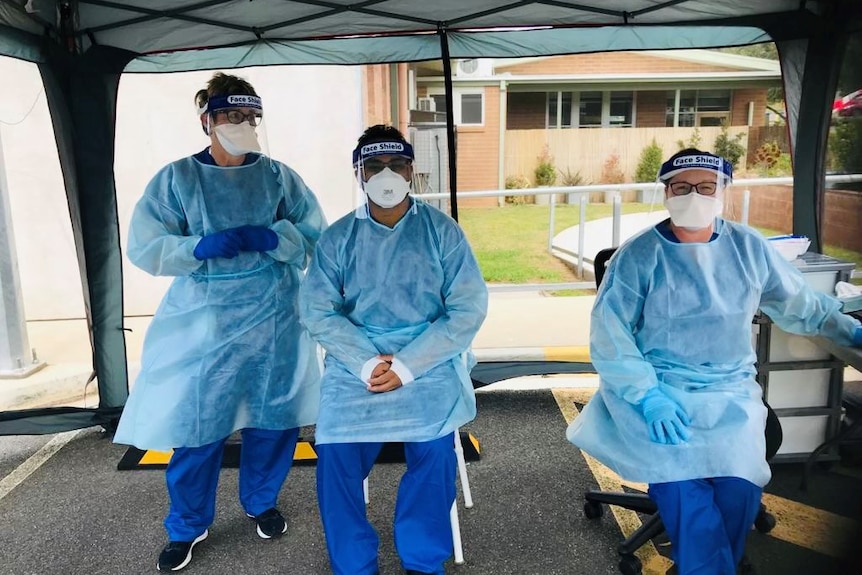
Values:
[(696, 186), (385, 171), (236, 121)]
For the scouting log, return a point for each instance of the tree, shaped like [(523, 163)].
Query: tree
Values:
[(649, 163)]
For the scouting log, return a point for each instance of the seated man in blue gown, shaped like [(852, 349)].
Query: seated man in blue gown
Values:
[(394, 296)]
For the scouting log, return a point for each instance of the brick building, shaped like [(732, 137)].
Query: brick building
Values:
[(602, 91)]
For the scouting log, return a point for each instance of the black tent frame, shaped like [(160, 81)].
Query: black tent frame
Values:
[(82, 85)]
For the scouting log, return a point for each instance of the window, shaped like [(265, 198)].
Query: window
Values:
[(590, 113), (471, 109), (559, 110), (697, 107), (622, 104), (469, 106), (595, 109)]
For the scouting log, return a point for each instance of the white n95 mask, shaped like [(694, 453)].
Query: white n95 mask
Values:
[(693, 211), (386, 188), (237, 139)]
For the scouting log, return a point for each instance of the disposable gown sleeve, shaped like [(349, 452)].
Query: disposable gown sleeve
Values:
[(300, 221), (465, 297), (613, 323), (157, 243), (321, 306), (797, 308)]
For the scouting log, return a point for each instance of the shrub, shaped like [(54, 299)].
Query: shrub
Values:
[(612, 173), (518, 182), (693, 141), (569, 178), (649, 163), (766, 155), (731, 149), (845, 146), (545, 173)]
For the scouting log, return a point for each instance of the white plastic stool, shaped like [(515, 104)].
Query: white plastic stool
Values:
[(453, 512)]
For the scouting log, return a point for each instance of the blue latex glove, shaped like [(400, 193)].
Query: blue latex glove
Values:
[(257, 238), (666, 420), (223, 244), (857, 336)]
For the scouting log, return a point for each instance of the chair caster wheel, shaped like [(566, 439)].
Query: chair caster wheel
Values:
[(630, 565), (593, 509), (764, 523)]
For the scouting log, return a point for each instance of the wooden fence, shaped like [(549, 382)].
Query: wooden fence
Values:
[(586, 150)]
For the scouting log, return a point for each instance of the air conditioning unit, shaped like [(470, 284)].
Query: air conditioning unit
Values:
[(427, 105), (474, 68)]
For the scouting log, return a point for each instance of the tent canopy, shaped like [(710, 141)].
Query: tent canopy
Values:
[(83, 46)]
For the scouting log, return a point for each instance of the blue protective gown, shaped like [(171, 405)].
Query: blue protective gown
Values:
[(225, 349), (414, 291), (678, 316)]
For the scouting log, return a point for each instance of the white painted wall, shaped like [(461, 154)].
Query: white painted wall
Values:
[(313, 118)]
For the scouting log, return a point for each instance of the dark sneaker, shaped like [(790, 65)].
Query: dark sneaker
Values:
[(270, 523), (178, 554)]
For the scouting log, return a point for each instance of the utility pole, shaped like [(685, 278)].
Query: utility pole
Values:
[(17, 360)]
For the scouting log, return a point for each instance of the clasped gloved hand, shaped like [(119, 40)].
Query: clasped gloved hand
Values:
[(666, 420), (257, 238), (223, 244)]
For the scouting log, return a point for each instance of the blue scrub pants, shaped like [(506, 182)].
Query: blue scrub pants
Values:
[(423, 534), (708, 521), (266, 457)]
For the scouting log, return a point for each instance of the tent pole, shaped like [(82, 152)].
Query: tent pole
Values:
[(450, 123), (82, 94)]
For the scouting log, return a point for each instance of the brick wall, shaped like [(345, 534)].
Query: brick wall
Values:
[(739, 106), (651, 109), (772, 207), (526, 110), (478, 152), (377, 109), (605, 62)]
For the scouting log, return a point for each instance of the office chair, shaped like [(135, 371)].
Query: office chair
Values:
[(640, 502)]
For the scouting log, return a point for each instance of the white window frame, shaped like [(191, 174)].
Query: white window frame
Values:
[(456, 102)]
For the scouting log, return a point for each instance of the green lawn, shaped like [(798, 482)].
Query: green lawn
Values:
[(511, 241)]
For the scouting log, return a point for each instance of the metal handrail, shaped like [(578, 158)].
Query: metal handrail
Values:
[(584, 191)]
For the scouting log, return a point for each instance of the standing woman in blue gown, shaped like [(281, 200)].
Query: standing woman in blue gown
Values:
[(225, 350)]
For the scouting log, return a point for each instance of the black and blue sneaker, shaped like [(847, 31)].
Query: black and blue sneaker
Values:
[(178, 554), (270, 523)]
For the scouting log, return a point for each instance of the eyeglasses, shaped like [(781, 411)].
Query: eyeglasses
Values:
[(238, 117), (398, 165), (684, 188)]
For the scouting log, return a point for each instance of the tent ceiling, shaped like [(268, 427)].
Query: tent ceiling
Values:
[(156, 26)]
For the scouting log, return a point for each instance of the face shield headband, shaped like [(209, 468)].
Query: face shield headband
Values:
[(393, 148), (216, 103), (701, 161)]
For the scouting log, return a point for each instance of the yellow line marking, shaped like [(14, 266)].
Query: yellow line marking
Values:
[(152, 457), (304, 451), (628, 521), (563, 353), (812, 528), (475, 442)]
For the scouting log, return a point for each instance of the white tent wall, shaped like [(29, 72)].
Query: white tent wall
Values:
[(47, 263)]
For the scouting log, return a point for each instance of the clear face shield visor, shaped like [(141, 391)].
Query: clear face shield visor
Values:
[(236, 122), (695, 188)]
